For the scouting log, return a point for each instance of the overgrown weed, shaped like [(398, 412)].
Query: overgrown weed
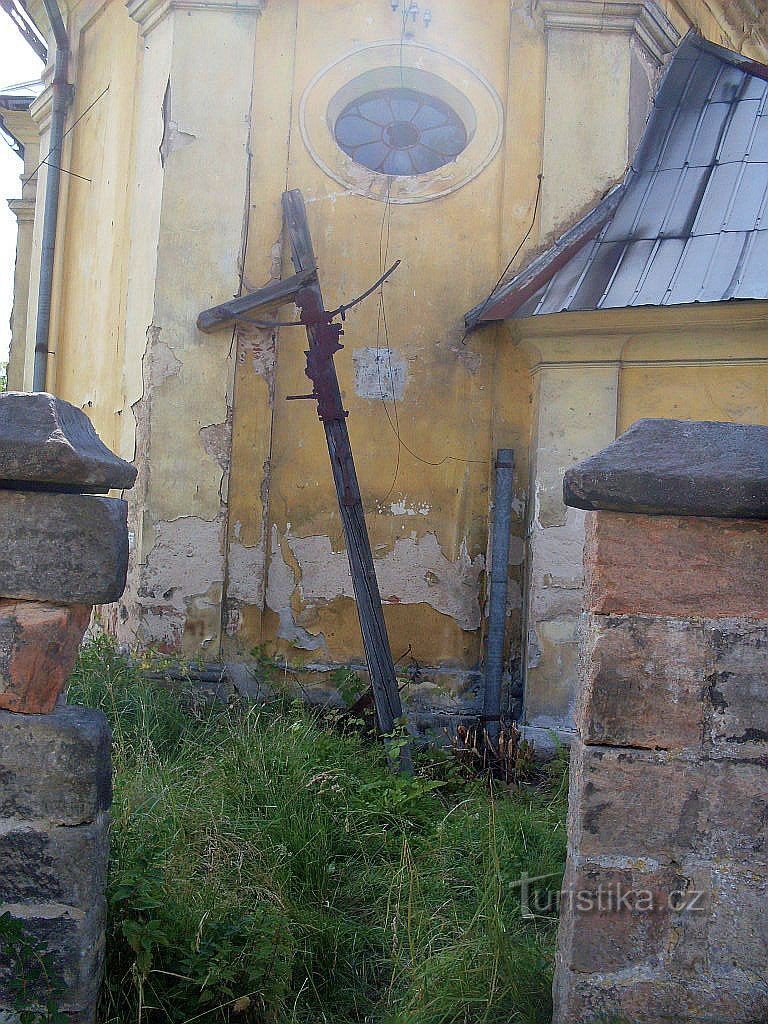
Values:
[(268, 867)]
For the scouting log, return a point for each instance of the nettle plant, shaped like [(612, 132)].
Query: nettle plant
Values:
[(34, 986)]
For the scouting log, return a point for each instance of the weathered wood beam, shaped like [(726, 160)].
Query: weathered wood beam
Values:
[(277, 293)]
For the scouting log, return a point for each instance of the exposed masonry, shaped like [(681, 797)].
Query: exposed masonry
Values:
[(246, 564), (259, 347), (174, 138), (415, 571), (246, 571), (182, 574), (54, 847), (281, 584), (217, 441)]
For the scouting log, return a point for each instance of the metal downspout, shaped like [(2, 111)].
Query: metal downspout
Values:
[(52, 182), (497, 604)]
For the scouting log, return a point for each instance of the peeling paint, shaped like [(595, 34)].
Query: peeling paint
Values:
[(281, 583), (402, 508), (217, 441), (258, 346), (159, 359), (534, 649), (245, 573), (415, 571), (182, 575), (467, 357), (174, 138)]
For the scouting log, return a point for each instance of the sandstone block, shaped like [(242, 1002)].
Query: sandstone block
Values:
[(62, 548), (737, 809), (738, 923), (38, 647), (45, 440), (675, 566), (651, 804), (65, 866), (643, 682), (613, 918), (74, 943), (55, 767), (677, 467), (738, 688), (601, 998), (635, 803)]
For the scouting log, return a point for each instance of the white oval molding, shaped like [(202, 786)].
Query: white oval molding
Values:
[(466, 89)]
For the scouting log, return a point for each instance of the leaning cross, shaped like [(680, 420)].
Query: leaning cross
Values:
[(303, 288)]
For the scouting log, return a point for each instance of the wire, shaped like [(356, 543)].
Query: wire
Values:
[(341, 310), (66, 133), (508, 267), (65, 171), (384, 240)]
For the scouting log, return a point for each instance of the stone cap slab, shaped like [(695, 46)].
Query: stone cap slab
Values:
[(49, 444), (677, 468)]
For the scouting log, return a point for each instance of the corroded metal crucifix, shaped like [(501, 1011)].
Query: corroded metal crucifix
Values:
[(303, 289)]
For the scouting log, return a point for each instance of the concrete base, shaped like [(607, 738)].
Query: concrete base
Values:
[(54, 844)]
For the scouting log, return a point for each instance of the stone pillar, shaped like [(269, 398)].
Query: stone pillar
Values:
[(663, 915), (192, 172), (602, 62), (575, 413), (62, 552)]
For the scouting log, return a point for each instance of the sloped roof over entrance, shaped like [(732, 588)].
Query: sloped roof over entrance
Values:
[(688, 224)]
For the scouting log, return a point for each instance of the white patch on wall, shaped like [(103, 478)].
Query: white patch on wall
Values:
[(281, 582), (415, 571), (402, 508), (379, 373)]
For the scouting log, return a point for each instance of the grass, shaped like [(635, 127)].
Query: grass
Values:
[(267, 867)]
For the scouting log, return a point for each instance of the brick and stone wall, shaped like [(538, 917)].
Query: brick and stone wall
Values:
[(663, 916), (63, 548)]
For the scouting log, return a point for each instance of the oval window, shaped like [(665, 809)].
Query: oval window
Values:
[(400, 131)]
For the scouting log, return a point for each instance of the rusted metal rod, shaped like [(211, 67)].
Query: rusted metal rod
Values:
[(323, 343)]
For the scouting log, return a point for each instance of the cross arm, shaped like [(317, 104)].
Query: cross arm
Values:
[(277, 293)]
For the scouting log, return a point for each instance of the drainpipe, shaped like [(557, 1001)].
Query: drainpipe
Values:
[(497, 605), (52, 181)]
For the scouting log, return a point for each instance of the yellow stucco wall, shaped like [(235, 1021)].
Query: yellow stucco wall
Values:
[(210, 112), (594, 374)]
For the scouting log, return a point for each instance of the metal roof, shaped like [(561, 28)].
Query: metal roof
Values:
[(689, 223), (11, 101)]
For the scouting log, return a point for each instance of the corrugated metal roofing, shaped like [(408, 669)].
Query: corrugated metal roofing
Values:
[(690, 221)]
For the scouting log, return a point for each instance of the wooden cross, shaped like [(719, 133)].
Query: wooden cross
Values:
[(303, 289)]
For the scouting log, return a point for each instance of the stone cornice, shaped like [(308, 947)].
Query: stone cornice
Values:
[(24, 209), (149, 13), (646, 21), (42, 108)]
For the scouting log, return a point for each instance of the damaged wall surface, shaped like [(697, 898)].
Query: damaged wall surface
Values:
[(208, 111)]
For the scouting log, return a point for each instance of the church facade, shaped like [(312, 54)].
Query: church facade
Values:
[(452, 137)]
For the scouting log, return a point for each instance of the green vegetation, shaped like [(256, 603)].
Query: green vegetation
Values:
[(267, 867), (32, 983)]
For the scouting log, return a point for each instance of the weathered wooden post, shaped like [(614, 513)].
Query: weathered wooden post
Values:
[(663, 919), (63, 548)]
